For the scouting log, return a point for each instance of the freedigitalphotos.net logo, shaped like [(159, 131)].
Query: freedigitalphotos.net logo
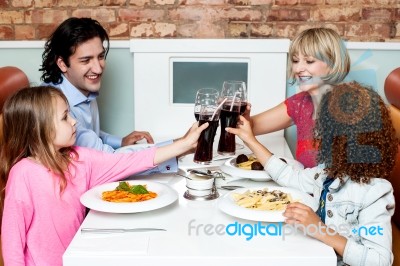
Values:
[(259, 229)]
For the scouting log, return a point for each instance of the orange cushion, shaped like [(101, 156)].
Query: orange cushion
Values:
[(396, 245), (395, 180), (395, 176), (392, 87), (12, 79), (395, 115)]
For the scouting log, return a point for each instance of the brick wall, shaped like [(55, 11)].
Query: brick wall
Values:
[(355, 20)]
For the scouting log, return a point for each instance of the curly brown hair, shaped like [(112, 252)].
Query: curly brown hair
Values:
[(354, 134)]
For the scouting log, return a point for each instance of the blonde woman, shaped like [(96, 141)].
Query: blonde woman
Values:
[(317, 59)]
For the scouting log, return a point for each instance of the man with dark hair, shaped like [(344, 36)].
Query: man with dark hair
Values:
[(73, 61)]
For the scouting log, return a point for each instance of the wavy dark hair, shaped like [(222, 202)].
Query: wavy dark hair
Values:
[(354, 134), (64, 41)]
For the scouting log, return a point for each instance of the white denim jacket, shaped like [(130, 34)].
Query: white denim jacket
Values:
[(359, 212)]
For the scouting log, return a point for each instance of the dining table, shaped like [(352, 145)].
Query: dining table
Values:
[(194, 232)]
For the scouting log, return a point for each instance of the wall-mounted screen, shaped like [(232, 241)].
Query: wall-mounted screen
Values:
[(189, 75)]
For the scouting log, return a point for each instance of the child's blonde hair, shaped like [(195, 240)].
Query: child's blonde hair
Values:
[(323, 44)]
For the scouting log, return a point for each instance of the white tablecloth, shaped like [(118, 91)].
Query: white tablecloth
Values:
[(191, 237)]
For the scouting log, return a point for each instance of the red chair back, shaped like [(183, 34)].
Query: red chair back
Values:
[(12, 79)]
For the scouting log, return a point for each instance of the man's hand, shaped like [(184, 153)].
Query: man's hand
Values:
[(136, 136)]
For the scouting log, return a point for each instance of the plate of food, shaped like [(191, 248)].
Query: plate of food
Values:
[(247, 166), (264, 204), (129, 196)]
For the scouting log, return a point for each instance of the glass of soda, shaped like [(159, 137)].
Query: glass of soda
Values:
[(204, 96), (234, 95), (204, 150)]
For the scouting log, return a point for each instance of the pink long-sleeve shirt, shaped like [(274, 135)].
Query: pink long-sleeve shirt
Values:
[(39, 222)]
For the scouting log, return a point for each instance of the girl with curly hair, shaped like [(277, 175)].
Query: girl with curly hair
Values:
[(356, 154)]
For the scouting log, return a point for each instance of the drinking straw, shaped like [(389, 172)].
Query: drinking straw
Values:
[(233, 100), (219, 107)]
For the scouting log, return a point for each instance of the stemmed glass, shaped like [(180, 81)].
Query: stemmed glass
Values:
[(234, 93), (204, 97)]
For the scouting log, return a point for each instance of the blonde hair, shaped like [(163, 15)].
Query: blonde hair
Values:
[(323, 44), (29, 130)]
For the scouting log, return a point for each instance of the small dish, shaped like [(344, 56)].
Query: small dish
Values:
[(199, 182), (230, 167), (199, 192)]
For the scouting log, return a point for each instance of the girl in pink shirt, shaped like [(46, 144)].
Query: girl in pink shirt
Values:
[(45, 175)]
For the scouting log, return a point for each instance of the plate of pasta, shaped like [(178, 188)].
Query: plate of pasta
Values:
[(129, 196), (264, 204), (251, 168)]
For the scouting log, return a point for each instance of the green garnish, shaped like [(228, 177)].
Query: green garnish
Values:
[(123, 186), (138, 189)]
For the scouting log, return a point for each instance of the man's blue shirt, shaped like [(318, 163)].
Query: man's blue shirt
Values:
[(88, 134)]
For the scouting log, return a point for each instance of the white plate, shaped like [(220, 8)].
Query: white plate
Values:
[(230, 168), (229, 206), (165, 196)]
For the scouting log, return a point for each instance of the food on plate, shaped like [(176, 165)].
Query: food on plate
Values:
[(125, 192), (250, 164), (274, 200), (241, 159), (257, 166)]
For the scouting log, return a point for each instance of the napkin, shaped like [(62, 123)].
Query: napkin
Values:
[(111, 244)]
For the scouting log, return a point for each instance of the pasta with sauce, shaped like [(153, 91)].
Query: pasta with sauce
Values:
[(128, 193)]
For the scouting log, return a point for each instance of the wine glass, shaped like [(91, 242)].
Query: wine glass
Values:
[(235, 93), (204, 97)]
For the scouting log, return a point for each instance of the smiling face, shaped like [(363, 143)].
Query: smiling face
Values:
[(309, 72), (86, 66), (64, 125)]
